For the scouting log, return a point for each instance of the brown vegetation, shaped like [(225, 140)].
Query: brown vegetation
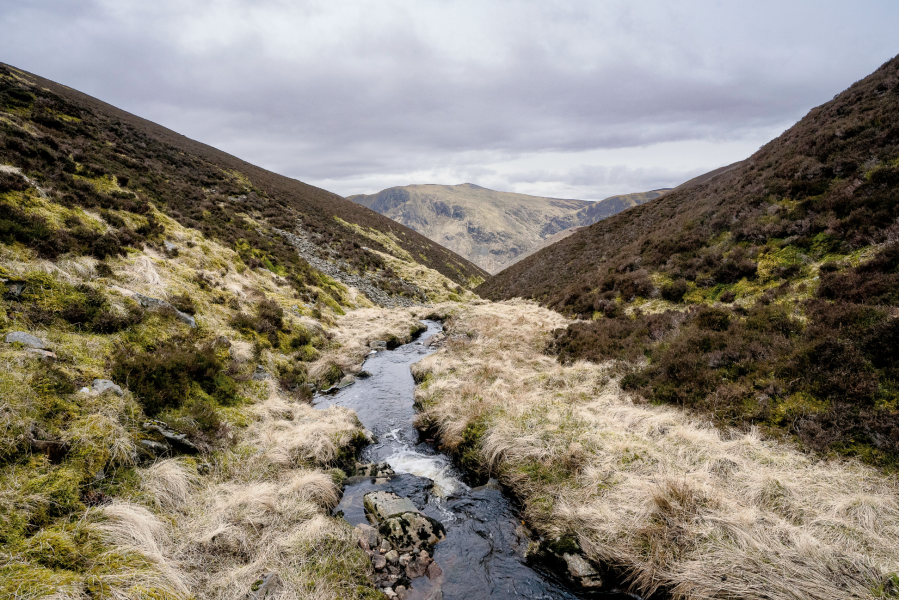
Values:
[(799, 240), (672, 503)]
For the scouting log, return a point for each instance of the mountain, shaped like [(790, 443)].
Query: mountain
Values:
[(85, 153), (765, 293), (491, 229)]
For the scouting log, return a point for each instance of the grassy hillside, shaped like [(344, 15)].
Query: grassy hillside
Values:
[(136, 260), (664, 501), (492, 229), (87, 154), (765, 295)]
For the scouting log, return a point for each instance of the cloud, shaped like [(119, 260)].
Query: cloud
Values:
[(353, 94)]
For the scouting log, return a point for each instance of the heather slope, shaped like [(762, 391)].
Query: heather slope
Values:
[(88, 153), (668, 502), (764, 295), (490, 228)]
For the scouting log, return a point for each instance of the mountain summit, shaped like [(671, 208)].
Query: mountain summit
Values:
[(491, 229)]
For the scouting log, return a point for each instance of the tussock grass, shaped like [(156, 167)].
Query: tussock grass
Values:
[(671, 501)]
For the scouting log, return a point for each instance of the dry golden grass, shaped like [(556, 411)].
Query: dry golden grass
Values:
[(673, 502), (261, 506)]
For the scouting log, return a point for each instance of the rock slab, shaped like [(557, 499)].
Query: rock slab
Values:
[(26, 339)]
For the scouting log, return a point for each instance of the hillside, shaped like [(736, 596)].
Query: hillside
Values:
[(491, 229), (164, 323), (85, 153), (765, 295)]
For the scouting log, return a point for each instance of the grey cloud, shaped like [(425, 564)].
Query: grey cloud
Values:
[(330, 91)]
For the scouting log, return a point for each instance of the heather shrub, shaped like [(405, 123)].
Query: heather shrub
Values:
[(161, 376)]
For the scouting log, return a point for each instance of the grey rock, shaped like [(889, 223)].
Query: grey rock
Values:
[(14, 289), (175, 438), (149, 302), (405, 559), (378, 345), (363, 375), (155, 448), (392, 557), (436, 595), (169, 246), (578, 566), (374, 470), (368, 536), (25, 338), (385, 504), (492, 484), (102, 386), (347, 381), (385, 545), (260, 373), (340, 270), (412, 531), (416, 568), (266, 586), (378, 562), (401, 592)]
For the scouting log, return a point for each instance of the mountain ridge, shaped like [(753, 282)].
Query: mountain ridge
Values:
[(491, 228)]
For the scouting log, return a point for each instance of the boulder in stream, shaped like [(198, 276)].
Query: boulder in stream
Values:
[(385, 504)]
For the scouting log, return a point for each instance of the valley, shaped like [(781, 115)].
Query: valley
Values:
[(217, 382)]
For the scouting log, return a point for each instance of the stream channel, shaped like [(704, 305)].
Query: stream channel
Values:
[(483, 553)]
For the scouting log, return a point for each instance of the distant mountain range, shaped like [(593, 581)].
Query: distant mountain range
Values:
[(491, 229)]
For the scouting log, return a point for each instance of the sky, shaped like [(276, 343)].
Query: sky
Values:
[(573, 99)]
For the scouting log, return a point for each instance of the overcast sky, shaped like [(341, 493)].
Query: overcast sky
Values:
[(580, 99)]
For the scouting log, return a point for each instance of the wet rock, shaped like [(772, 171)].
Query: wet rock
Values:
[(347, 381), (266, 586), (177, 439), (412, 531), (368, 536), (492, 484), (386, 504), (417, 567), (101, 386), (260, 373), (433, 572), (374, 470), (26, 339), (378, 562), (363, 375), (392, 557), (578, 567)]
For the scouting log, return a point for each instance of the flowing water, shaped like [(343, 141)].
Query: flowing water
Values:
[(483, 554)]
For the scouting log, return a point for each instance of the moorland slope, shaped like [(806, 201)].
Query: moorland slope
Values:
[(765, 295), (87, 153)]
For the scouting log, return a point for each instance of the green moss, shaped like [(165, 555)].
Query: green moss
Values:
[(37, 581), (54, 494)]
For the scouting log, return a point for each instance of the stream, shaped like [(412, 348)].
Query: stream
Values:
[(483, 554)]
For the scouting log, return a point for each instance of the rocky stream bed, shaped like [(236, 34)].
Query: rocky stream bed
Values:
[(431, 536)]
